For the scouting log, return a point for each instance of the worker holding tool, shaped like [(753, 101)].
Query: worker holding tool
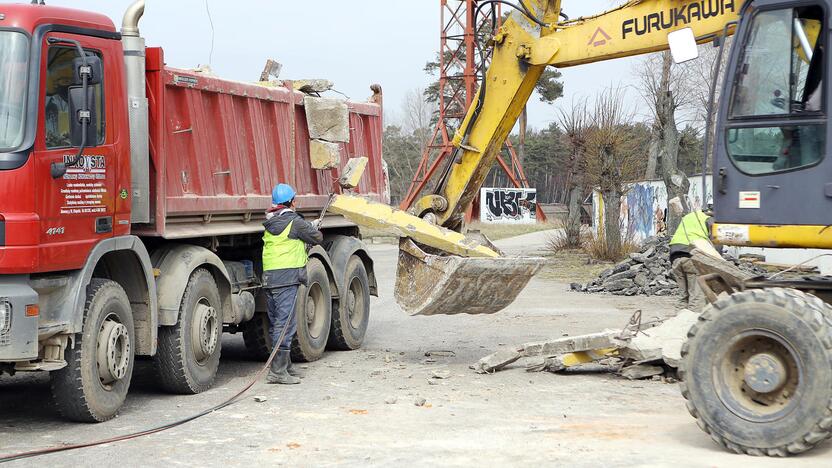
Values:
[(284, 270), (694, 227)]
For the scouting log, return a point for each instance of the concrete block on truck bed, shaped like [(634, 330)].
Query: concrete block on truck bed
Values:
[(351, 175), (327, 119), (312, 86), (324, 154)]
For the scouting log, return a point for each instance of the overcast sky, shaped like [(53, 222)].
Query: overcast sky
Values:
[(352, 42)]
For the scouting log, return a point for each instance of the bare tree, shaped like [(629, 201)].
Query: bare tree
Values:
[(575, 124), (667, 89), (612, 159), (417, 114)]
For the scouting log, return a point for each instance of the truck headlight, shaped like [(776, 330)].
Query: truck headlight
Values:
[(5, 315)]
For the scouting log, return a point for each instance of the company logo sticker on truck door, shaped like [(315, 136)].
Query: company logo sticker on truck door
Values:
[(749, 199), (85, 191)]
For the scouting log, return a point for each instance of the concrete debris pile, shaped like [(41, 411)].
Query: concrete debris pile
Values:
[(640, 351), (647, 272)]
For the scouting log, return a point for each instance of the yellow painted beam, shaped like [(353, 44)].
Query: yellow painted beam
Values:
[(399, 223), (788, 236), (635, 28)]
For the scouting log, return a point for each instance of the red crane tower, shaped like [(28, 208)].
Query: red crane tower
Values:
[(459, 71)]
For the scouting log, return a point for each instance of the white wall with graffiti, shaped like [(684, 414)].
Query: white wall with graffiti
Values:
[(643, 208), (508, 205)]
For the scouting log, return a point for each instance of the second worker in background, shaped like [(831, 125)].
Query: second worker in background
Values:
[(284, 270)]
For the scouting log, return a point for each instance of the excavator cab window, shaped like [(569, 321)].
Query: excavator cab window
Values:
[(776, 112)]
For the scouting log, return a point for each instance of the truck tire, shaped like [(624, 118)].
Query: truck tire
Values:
[(256, 336), (757, 371), (314, 314), (189, 352), (93, 385), (349, 321)]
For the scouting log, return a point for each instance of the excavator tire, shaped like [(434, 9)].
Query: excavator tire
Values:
[(756, 372)]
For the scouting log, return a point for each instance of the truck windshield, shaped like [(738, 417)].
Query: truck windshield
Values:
[(14, 62)]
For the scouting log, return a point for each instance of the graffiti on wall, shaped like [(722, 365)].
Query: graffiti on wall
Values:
[(508, 205), (643, 208)]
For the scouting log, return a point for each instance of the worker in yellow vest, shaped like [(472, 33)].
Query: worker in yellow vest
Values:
[(284, 270), (694, 226)]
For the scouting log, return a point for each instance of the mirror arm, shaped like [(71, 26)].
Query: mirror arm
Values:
[(58, 169)]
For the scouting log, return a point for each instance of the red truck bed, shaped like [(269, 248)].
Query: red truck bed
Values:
[(217, 147)]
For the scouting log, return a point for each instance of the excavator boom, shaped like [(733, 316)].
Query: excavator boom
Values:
[(531, 39)]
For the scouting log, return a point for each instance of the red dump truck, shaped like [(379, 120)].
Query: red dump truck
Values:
[(131, 201)]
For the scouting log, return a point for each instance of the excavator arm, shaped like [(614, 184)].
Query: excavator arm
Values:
[(476, 278), (522, 49)]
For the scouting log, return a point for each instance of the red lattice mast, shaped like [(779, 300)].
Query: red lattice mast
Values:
[(459, 69)]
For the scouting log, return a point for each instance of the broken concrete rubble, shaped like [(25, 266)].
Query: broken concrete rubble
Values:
[(648, 272), (643, 353), (641, 371), (571, 344), (666, 339), (327, 119), (312, 86)]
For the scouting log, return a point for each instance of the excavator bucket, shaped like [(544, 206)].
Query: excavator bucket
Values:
[(450, 273), (428, 284)]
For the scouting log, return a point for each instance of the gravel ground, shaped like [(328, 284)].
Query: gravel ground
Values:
[(357, 408)]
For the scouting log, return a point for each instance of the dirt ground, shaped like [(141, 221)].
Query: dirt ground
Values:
[(357, 408)]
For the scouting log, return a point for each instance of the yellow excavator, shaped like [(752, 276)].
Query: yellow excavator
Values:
[(757, 367)]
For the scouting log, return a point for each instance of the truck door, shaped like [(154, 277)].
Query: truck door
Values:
[(771, 165), (76, 208)]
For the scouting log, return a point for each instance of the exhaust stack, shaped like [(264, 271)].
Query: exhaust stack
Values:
[(134, 65)]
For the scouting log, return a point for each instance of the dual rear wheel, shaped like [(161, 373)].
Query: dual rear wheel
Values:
[(319, 326)]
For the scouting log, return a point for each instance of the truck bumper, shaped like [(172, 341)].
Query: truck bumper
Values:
[(18, 333)]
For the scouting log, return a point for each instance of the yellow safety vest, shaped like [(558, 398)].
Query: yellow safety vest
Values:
[(692, 227), (280, 252)]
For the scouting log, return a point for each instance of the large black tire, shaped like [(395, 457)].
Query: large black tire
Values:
[(757, 372), (314, 314), (256, 336), (189, 352), (93, 385), (349, 321)]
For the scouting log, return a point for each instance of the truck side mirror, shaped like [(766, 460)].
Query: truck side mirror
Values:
[(94, 64), (682, 45), (83, 128)]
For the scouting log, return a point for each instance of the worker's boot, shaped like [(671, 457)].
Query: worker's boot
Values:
[(278, 373), (294, 370)]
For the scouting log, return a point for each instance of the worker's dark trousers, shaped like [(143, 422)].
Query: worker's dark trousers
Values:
[(281, 302)]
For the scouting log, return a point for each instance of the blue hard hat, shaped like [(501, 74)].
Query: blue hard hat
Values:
[(282, 193)]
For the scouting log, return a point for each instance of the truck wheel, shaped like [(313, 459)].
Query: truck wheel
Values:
[(757, 371), (93, 385), (314, 314), (189, 352), (256, 336), (349, 321)]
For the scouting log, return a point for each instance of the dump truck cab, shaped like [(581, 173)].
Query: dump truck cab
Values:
[(48, 223), (132, 197)]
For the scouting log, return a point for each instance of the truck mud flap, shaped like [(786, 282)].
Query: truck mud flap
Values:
[(428, 284)]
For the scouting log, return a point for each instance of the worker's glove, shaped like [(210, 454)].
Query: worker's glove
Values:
[(316, 224)]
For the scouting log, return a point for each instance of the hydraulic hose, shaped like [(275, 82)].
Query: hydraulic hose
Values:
[(134, 435)]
